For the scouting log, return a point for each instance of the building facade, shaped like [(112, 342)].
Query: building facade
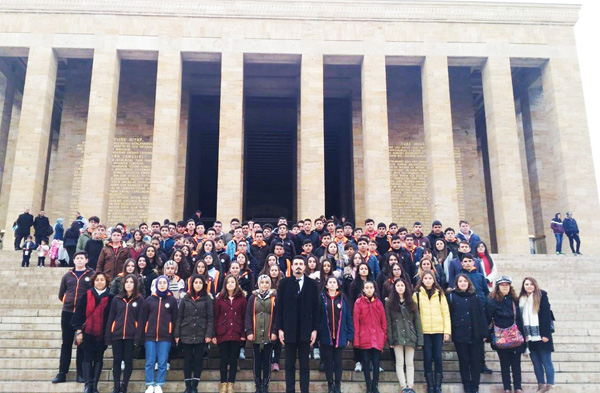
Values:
[(395, 110)]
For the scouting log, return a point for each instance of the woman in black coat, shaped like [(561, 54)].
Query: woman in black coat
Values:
[(70, 241), (469, 331), (537, 321), (194, 328), (502, 309)]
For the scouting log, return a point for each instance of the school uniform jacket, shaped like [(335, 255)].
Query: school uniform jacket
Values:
[(157, 319), (123, 319), (73, 288), (334, 323), (260, 314)]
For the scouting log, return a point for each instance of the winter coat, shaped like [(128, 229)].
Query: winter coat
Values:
[(370, 324), (570, 226), (556, 225), (83, 239), (73, 288), (42, 227), (502, 315), (467, 314), (473, 239), (260, 316), (157, 319), (80, 318), (455, 268), (195, 319), (123, 319), (93, 247), (24, 223), (229, 318), (479, 282), (434, 313), (71, 237), (344, 326), (545, 321), (110, 262), (403, 327), (59, 231), (295, 310)]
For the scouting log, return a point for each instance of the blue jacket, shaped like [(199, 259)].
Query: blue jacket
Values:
[(570, 226), (473, 241), (59, 231), (479, 282), (455, 268), (345, 327)]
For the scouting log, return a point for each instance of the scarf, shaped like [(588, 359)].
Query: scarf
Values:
[(94, 314), (531, 321)]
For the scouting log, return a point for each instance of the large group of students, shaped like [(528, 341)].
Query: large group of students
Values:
[(174, 289)]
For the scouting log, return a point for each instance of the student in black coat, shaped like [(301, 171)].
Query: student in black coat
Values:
[(297, 321), (502, 309), (537, 322), (469, 331)]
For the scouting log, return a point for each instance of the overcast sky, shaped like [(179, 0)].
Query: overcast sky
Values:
[(587, 31)]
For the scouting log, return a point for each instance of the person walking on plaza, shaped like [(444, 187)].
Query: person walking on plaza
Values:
[(89, 322), (572, 232), (298, 320), (73, 287), (557, 227), (24, 223), (537, 322)]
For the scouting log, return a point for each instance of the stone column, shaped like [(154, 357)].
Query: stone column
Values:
[(439, 141), (378, 194), (311, 142), (7, 93), (505, 160), (230, 186), (29, 169), (165, 146), (574, 177), (100, 134)]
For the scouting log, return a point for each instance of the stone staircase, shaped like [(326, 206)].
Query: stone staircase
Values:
[(30, 335)]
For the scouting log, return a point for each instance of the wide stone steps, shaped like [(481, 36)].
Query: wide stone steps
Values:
[(30, 336)]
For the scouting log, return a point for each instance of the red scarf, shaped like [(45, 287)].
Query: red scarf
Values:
[(94, 315)]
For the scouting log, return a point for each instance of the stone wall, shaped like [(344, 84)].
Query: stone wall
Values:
[(9, 160)]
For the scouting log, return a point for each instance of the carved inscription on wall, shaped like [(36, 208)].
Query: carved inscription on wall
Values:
[(130, 180), (76, 185), (459, 181), (409, 183)]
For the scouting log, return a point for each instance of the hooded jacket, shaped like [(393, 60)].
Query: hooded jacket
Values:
[(556, 225), (195, 319), (434, 312), (404, 326), (123, 319), (370, 324), (260, 316)]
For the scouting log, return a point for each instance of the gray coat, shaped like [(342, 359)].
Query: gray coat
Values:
[(403, 327), (195, 319)]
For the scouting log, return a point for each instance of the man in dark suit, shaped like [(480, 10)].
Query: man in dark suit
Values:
[(24, 223), (297, 318)]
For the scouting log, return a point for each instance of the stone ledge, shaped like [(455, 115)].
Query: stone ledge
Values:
[(357, 10)]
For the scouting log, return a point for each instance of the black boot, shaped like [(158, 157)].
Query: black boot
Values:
[(60, 378), (338, 387), (375, 386), (258, 385), (117, 387), (430, 383), (467, 387), (195, 383), (188, 385), (438, 382), (369, 387), (330, 388), (265, 386), (87, 375), (96, 376), (123, 387)]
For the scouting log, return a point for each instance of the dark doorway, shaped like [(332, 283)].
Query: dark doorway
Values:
[(270, 128), (339, 189), (202, 157)]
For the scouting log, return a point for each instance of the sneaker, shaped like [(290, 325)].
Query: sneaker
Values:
[(381, 369), (155, 366), (242, 354), (275, 367), (150, 389), (168, 368), (158, 389), (122, 365), (358, 367), (316, 354)]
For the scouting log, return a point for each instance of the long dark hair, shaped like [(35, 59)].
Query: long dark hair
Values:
[(147, 269), (487, 253), (386, 268), (394, 298), (236, 292), (136, 287), (191, 289)]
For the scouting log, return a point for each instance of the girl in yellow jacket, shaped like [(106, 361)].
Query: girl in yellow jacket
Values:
[(435, 320)]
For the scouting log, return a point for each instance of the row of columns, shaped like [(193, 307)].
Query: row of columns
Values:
[(505, 165)]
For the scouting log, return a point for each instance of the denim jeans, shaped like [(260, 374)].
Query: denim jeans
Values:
[(559, 239), (157, 352), (432, 352), (542, 364)]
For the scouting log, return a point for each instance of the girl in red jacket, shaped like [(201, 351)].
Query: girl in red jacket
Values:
[(229, 314), (370, 333)]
